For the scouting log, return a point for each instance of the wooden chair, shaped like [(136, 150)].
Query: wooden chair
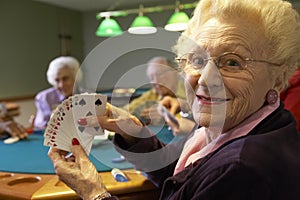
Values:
[(8, 110)]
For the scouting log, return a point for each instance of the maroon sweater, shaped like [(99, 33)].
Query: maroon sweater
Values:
[(291, 97)]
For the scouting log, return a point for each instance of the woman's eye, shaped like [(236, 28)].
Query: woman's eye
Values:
[(198, 61), (232, 63)]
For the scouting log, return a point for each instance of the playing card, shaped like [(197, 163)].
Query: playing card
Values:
[(57, 126), (53, 136), (85, 105), (11, 140), (163, 111), (63, 127)]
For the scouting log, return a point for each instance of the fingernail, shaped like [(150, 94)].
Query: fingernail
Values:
[(75, 141), (82, 121)]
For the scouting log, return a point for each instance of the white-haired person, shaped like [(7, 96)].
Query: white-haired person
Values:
[(165, 81), (63, 74), (236, 57)]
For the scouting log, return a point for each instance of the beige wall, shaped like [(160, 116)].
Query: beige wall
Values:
[(29, 40)]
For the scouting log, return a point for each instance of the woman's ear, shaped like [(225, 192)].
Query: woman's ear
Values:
[(281, 79)]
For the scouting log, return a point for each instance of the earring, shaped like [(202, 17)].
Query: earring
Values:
[(272, 96)]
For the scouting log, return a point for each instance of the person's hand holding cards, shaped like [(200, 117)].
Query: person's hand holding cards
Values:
[(63, 127), (169, 118), (116, 120)]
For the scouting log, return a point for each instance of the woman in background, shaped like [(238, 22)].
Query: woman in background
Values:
[(63, 74)]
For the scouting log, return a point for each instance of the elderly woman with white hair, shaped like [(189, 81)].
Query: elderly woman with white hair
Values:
[(236, 56), (63, 74)]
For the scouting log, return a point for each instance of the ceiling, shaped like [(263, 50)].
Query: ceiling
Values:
[(106, 5)]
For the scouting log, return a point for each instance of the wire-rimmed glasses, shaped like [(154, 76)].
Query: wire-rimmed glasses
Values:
[(228, 61)]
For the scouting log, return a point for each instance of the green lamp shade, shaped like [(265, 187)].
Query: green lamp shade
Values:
[(142, 25), (108, 27), (177, 22)]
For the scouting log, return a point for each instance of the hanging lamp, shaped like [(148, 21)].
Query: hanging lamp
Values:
[(142, 24), (108, 28), (178, 20)]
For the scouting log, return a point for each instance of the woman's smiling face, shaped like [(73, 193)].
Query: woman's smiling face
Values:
[(219, 97)]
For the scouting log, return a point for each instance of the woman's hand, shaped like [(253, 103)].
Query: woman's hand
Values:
[(152, 116), (14, 129), (116, 120), (77, 171), (171, 103)]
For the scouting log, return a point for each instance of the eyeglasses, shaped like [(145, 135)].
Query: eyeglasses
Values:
[(228, 61)]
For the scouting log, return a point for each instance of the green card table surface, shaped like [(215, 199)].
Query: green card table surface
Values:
[(26, 171), (30, 156)]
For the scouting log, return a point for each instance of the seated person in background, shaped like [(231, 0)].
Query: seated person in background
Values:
[(165, 81), (7, 123), (236, 57), (63, 74), (291, 97), (186, 121)]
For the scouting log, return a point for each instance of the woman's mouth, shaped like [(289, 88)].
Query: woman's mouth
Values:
[(210, 100)]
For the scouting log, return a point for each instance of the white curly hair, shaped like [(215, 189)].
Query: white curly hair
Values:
[(63, 62), (277, 18)]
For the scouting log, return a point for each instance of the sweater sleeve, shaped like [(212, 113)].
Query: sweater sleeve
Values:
[(150, 155), (233, 182), (43, 112)]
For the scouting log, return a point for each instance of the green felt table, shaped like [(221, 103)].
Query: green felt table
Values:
[(26, 171), (30, 156)]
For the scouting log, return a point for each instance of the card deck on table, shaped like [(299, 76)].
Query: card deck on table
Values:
[(63, 127)]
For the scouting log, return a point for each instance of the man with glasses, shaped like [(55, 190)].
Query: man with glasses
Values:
[(165, 81)]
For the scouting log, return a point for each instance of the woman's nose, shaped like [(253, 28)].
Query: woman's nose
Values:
[(210, 75), (60, 84)]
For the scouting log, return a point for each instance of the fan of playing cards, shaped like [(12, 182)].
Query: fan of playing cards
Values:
[(63, 127)]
